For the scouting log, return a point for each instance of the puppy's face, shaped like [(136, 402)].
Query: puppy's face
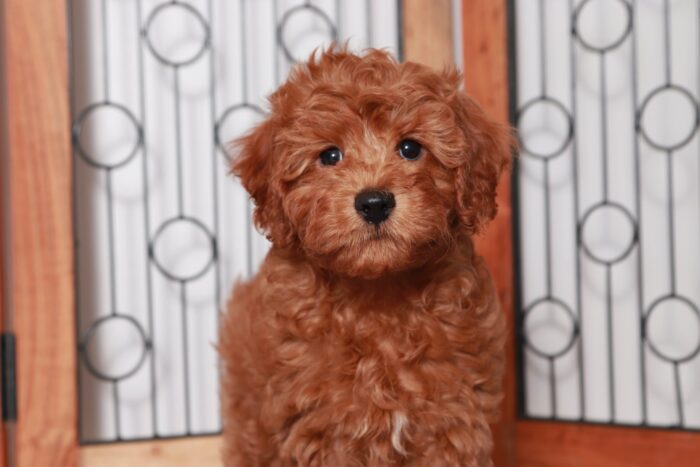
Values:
[(371, 167)]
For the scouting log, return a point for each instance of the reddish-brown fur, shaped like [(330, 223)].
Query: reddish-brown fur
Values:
[(357, 345)]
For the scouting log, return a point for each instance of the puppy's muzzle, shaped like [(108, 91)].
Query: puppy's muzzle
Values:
[(374, 206)]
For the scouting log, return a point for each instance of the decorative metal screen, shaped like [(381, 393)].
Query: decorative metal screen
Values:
[(608, 206), (158, 89)]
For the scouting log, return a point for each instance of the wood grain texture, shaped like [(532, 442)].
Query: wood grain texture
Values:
[(4, 211), (4, 177), (486, 80), (547, 444), (199, 452), (41, 237), (427, 32)]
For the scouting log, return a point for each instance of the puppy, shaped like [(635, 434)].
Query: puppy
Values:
[(371, 335)]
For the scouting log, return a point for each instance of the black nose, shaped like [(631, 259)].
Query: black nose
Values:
[(374, 206)]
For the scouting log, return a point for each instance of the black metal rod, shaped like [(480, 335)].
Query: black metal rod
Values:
[(244, 52), (543, 48), (604, 125), (679, 393), (105, 51), (369, 30), (215, 162), (185, 357), (611, 341), (117, 415), (577, 214), (178, 144), (638, 207), (552, 386), (244, 84), (147, 221), (110, 243), (547, 227), (671, 224), (667, 42)]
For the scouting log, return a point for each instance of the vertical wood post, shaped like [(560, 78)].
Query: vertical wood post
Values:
[(484, 26), (38, 160), (427, 32)]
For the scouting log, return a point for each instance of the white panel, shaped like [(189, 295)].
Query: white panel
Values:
[(184, 75), (609, 207)]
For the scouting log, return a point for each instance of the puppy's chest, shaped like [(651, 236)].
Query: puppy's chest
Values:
[(376, 373), (370, 343), (385, 359)]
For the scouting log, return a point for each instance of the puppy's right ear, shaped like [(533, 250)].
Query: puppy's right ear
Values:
[(253, 164)]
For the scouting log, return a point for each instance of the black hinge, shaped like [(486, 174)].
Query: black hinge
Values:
[(9, 376)]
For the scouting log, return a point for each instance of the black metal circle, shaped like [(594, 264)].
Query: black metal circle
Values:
[(90, 158), (668, 88), (545, 100), (654, 306), (612, 45), (222, 121), (189, 9), (559, 305), (163, 269), (293, 11), (627, 215), (91, 331)]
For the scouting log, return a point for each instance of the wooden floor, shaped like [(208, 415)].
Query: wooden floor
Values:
[(199, 452), (554, 444)]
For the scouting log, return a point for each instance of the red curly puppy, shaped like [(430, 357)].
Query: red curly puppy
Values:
[(371, 336)]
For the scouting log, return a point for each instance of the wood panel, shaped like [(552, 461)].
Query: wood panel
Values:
[(4, 221), (41, 239), (486, 80), (200, 452), (427, 32), (4, 211), (552, 444)]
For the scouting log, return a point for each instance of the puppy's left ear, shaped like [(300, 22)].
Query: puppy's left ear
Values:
[(489, 147), (254, 166)]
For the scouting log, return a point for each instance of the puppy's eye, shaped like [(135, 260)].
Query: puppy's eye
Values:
[(409, 149), (331, 156)]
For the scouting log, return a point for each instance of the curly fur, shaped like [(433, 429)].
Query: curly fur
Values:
[(362, 345)]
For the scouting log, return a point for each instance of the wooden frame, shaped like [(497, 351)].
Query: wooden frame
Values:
[(199, 451), (485, 38), (522, 442), (4, 213), (557, 444), (40, 236), (427, 32)]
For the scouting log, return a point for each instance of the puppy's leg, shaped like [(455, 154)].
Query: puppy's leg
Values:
[(465, 447), (244, 442), (243, 375)]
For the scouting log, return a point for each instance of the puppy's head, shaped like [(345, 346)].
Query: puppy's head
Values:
[(369, 166)]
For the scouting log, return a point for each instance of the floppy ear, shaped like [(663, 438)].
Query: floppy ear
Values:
[(488, 152), (253, 164)]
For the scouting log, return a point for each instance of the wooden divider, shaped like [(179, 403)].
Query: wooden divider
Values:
[(485, 50), (185, 452), (427, 32), (557, 444), (38, 158)]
